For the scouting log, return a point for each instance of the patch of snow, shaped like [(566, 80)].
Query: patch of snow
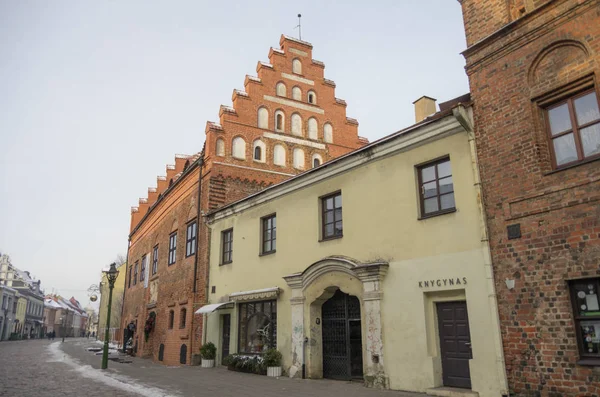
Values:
[(253, 78), (116, 381), (265, 64)]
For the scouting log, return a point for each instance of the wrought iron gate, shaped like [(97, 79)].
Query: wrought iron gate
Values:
[(342, 340)]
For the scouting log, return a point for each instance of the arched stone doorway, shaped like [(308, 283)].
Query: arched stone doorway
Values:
[(342, 337), (313, 288)]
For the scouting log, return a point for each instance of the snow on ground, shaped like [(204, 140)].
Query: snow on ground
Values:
[(110, 345), (117, 381)]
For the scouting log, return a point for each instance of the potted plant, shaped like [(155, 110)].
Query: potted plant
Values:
[(208, 351), (272, 360)]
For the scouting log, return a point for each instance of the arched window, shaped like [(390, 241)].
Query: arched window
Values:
[(186, 165), (296, 124), (299, 159), (259, 150), (316, 160), (182, 317), (279, 121), (280, 89), (297, 66), (263, 118), (238, 148), (279, 155), (312, 97), (297, 93), (313, 128), (171, 319), (170, 182), (328, 133), (220, 147)]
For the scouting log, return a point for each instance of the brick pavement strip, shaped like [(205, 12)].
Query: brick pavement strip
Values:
[(31, 367)]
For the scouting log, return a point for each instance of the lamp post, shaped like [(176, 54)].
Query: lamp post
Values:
[(111, 277)]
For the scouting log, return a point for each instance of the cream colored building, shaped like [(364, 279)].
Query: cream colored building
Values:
[(352, 271)]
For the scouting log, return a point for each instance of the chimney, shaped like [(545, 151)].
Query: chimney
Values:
[(424, 106)]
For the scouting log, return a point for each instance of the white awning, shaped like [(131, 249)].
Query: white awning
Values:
[(211, 308), (255, 294)]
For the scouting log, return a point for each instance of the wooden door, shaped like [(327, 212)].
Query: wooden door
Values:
[(225, 337), (455, 343)]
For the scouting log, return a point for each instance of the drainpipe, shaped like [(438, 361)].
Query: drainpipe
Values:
[(194, 279), (464, 118)]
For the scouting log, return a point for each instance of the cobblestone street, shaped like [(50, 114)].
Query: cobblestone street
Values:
[(44, 368)]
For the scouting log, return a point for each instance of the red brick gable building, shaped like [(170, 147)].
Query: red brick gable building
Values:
[(533, 70), (285, 120)]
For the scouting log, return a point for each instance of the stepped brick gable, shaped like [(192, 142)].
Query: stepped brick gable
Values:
[(285, 120), (533, 70)]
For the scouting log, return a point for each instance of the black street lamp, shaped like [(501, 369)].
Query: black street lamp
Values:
[(111, 277)]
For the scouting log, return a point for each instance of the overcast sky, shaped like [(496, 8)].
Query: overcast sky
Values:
[(96, 97)]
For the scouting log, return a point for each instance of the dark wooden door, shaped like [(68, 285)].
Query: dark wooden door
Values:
[(342, 337), (183, 354), (455, 343), (225, 337)]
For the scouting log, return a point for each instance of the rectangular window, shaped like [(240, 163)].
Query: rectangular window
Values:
[(574, 129), (586, 312), (190, 240), (155, 260), (130, 271), (226, 246), (269, 234), (257, 326), (332, 216), (135, 272), (143, 270), (172, 248), (436, 188)]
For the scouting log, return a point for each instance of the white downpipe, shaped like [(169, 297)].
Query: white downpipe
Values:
[(465, 119)]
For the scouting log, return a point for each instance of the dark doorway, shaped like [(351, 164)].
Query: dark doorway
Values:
[(183, 354), (342, 337), (225, 336), (161, 352), (455, 343)]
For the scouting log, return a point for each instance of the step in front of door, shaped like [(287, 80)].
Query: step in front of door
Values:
[(451, 392)]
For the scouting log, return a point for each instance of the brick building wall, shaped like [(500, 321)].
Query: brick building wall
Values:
[(230, 171), (524, 56)]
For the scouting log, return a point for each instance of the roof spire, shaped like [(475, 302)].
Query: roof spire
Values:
[(299, 26)]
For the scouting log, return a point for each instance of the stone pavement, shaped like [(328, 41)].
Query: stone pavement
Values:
[(42, 368)]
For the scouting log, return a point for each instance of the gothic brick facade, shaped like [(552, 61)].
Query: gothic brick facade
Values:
[(524, 58), (285, 120)]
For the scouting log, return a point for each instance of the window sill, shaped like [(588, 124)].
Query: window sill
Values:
[(434, 214), (589, 362), (225, 263), (331, 238), (568, 167), (154, 277), (267, 253)]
